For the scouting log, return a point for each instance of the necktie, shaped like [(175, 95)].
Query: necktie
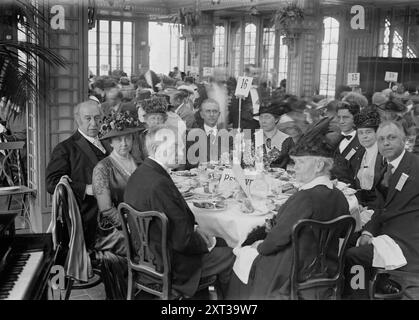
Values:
[(211, 135), (346, 137), (387, 175), (99, 145)]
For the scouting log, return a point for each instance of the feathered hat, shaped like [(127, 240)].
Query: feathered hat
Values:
[(367, 118), (317, 141)]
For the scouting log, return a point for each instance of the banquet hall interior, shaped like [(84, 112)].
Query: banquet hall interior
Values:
[(209, 149)]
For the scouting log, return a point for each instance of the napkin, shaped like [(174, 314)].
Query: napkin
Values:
[(244, 260), (387, 253)]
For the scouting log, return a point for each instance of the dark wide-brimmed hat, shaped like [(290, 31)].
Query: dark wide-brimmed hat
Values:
[(119, 124), (275, 108), (367, 118), (393, 105), (317, 141)]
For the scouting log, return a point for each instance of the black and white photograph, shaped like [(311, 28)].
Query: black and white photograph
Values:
[(212, 155)]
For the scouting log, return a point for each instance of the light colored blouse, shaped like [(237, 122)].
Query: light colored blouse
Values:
[(367, 169)]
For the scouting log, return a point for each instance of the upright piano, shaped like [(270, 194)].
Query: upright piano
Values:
[(25, 262)]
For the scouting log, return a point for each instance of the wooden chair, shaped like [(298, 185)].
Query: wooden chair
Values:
[(143, 273), (319, 273), (62, 233)]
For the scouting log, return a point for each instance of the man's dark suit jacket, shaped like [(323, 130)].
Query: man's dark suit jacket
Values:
[(123, 106), (76, 158), (151, 188), (343, 169), (284, 159), (398, 214), (247, 121)]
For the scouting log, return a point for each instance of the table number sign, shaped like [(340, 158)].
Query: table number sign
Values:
[(243, 86), (353, 79), (391, 76)]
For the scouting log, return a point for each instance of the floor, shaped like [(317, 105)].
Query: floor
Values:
[(96, 293)]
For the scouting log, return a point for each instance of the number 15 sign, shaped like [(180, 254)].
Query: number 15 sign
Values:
[(243, 86)]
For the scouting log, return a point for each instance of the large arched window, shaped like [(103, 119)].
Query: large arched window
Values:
[(329, 58), (268, 52), (236, 52), (249, 44), (219, 45), (282, 60)]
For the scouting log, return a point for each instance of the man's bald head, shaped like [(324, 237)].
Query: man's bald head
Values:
[(88, 116)]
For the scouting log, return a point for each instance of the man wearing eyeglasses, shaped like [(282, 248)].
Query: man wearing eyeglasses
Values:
[(213, 144)]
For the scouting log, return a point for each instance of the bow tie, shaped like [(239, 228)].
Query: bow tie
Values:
[(346, 137)]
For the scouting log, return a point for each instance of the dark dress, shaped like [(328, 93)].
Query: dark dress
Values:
[(269, 276)]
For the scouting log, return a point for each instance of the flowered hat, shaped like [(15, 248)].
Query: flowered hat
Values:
[(155, 104), (367, 118), (119, 124)]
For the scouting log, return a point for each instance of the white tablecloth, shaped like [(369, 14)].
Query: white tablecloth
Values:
[(231, 224)]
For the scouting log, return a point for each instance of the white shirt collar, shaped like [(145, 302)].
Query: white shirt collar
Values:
[(319, 181), (159, 163), (207, 129), (395, 163)]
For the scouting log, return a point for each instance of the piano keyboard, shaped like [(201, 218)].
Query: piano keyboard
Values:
[(19, 273)]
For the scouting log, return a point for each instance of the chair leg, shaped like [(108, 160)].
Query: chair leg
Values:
[(68, 290), (130, 286)]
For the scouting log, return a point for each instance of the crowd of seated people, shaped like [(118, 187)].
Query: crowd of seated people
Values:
[(115, 157)]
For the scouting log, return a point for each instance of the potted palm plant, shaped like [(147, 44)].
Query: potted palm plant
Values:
[(18, 58)]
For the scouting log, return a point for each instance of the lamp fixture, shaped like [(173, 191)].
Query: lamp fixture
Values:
[(214, 2)]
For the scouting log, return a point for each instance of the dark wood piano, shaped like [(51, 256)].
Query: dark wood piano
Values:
[(25, 262)]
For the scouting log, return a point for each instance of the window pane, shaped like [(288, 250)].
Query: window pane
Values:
[(127, 39), (104, 25), (127, 51), (92, 49), (127, 28), (116, 27), (333, 51), (103, 38)]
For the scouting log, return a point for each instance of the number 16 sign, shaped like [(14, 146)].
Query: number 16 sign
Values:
[(243, 86)]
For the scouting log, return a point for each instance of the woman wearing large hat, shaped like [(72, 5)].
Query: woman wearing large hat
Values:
[(368, 173), (318, 199), (110, 177)]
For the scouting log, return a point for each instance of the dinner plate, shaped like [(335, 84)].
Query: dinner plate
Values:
[(8, 189)]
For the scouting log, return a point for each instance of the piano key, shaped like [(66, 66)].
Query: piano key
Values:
[(20, 286)]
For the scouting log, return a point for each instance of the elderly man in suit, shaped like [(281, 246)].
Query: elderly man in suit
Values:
[(398, 213), (194, 253), (76, 157)]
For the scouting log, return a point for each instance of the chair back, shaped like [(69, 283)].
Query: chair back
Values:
[(63, 224), (136, 228), (318, 255), (11, 165)]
